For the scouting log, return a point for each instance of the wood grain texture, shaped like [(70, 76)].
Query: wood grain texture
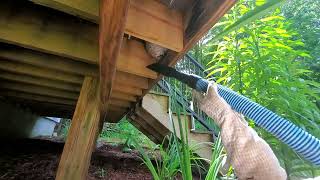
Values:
[(31, 70), (198, 21), (134, 58), (45, 60), (39, 81), (113, 16), (123, 96), (40, 90), (161, 25), (82, 136), (38, 29), (37, 98)]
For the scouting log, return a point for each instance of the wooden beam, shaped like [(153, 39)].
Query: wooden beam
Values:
[(149, 129), (36, 97), (123, 96), (132, 80), (39, 30), (45, 109), (127, 89), (114, 116), (113, 16), (39, 72), (54, 78), (161, 25), (45, 60), (83, 133), (144, 131), (40, 90), (134, 59), (116, 108), (199, 19), (39, 81), (119, 103), (58, 38)]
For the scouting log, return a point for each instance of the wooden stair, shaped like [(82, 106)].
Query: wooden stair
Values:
[(152, 118)]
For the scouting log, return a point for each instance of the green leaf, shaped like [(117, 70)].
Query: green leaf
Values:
[(250, 17)]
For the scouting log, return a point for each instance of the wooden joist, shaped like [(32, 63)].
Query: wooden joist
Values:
[(134, 59), (20, 31), (39, 72), (21, 78), (113, 16), (123, 96), (161, 25), (148, 128), (114, 116), (36, 97), (119, 103), (45, 60), (40, 90)]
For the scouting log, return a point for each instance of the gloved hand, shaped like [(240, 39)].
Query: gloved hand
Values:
[(212, 103), (250, 156)]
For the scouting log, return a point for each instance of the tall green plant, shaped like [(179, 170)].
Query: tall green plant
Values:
[(263, 60)]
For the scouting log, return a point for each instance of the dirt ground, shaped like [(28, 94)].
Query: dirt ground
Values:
[(38, 159)]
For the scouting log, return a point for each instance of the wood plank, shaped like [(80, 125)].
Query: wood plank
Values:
[(39, 59), (127, 89), (33, 27), (40, 90), (199, 19), (132, 80), (161, 25), (123, 96), (113, 16), (115, 116), (39, 72), (58, 38), (83, 133), (149, 129), (119, 103), (144, 131), (45, 71), (117, 108), (36, 97), (134, 59), (43, 60), (45, 109), (39, 81)]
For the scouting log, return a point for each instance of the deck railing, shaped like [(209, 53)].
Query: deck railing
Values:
[(200, 121)]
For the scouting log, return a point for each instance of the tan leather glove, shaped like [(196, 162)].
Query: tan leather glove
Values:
[(250, 156)]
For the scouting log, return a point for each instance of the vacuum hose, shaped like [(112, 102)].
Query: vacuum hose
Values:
[(296, 138)]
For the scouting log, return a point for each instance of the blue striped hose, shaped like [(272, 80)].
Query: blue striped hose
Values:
[(296, 138)]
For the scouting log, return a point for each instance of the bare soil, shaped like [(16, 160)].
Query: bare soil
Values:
[(38, 159)]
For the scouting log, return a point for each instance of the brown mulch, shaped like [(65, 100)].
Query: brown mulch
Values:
[(38, 159)]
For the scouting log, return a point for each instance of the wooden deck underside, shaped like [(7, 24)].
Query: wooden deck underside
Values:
[(48, 47)]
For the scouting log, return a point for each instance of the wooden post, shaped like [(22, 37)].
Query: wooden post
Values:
[(113, 16), (76, 155)]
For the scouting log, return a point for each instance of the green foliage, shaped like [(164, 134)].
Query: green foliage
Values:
[(304, 16), (176, 154), (265, 60), (65, 126), (122, 132)]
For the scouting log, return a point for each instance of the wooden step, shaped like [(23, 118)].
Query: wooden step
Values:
[(153, 111)]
